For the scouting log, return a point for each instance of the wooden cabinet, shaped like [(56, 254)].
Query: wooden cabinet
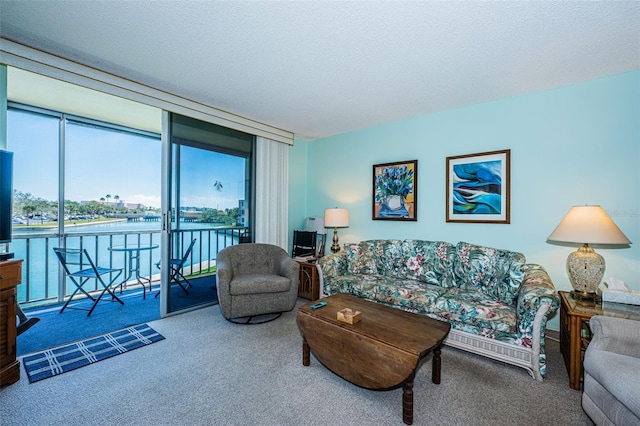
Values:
[(575, 333), (309, 287), (10, 277)]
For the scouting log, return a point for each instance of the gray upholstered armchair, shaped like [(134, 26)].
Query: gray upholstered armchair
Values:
[(612, 372), (256, 279)]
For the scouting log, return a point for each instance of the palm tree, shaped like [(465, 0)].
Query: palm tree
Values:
[(108, 197), (102, 200), (218, 186)]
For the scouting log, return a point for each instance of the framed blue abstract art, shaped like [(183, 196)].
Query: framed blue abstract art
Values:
[(478, 187), (395, 191)]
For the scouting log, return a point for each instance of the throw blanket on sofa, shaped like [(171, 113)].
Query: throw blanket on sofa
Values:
[(496, 303)]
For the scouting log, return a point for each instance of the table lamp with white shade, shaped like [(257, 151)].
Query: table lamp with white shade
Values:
[(336, 218), (587, 225)]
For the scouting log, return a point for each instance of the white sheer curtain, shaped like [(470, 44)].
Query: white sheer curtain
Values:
[(272, 194)]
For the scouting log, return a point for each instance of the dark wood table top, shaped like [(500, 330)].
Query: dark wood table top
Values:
[(412, 333), (381, 351)]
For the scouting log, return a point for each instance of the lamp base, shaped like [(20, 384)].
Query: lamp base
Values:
[(585, 269), (335, 247), (583, 296)]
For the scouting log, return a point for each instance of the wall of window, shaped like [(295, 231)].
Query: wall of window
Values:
[(77, 177)]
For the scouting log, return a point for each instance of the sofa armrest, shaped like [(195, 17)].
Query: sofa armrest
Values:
[(537, 300), (331, 266), (537, 293), (618, 335)]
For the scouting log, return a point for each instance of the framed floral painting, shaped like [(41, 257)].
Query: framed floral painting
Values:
[(395, 191), (478, 187)]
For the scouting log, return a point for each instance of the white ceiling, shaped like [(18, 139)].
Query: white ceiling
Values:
[(320, 68)]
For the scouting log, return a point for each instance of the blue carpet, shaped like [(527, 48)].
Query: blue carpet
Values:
[(62, 359), (55, 328)]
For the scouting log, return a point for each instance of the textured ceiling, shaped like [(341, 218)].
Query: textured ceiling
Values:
[(324, 68)]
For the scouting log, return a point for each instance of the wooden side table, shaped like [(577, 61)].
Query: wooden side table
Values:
[(10, 277), (309, 287), (575, 333)]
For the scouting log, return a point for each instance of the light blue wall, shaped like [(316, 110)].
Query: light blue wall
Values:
[(298, 179), (573, 145)]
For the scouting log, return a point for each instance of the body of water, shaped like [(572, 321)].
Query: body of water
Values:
[(40, 270)]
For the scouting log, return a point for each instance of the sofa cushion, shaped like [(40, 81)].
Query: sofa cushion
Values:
[(360, 260), (389, 257), (430, 262), (473, 308), (258, 283), (409, 295), (497, 273)]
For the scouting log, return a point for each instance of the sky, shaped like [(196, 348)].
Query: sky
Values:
[(101, 162)]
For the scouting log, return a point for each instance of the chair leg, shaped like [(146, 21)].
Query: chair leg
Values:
[(78, 288), (249, 320), (106, 289), (175, 279), (184, 279)]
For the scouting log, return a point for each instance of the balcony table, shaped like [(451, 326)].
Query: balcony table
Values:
[(132, 253)]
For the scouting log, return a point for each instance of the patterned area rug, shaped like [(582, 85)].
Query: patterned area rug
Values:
[(55, 361)]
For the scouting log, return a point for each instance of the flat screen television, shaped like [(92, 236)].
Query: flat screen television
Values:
[(6, 195)]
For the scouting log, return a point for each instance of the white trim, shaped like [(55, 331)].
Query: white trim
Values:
[(20, 56)]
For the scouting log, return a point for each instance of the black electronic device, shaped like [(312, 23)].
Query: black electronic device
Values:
[(6, 200)]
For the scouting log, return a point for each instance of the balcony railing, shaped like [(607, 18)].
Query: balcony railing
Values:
[(43, 281)]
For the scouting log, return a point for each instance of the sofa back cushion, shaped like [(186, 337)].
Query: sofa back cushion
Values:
[(497, 273), (360, 260), (429, 261), (425, 261)]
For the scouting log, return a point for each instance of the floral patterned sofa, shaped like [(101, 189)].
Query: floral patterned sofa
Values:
[(496, 303)]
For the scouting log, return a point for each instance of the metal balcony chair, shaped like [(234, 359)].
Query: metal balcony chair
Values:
[(177, 266), (83, 269)]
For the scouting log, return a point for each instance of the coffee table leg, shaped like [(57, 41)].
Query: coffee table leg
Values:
[(437, 364), (305, 353), (407, 400)]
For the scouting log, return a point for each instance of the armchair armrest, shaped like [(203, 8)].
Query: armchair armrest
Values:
[(224, 275), (618, 335), (287, 267)]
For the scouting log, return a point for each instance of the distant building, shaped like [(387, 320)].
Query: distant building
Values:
[(190, 216), (243, 210), (134, 206)]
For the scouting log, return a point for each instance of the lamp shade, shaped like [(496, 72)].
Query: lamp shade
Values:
[(336, 218), (588, 224)]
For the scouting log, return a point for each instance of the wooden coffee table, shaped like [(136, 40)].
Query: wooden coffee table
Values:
[(381, 352)]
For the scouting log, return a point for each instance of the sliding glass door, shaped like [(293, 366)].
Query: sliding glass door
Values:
[(207, 206)]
